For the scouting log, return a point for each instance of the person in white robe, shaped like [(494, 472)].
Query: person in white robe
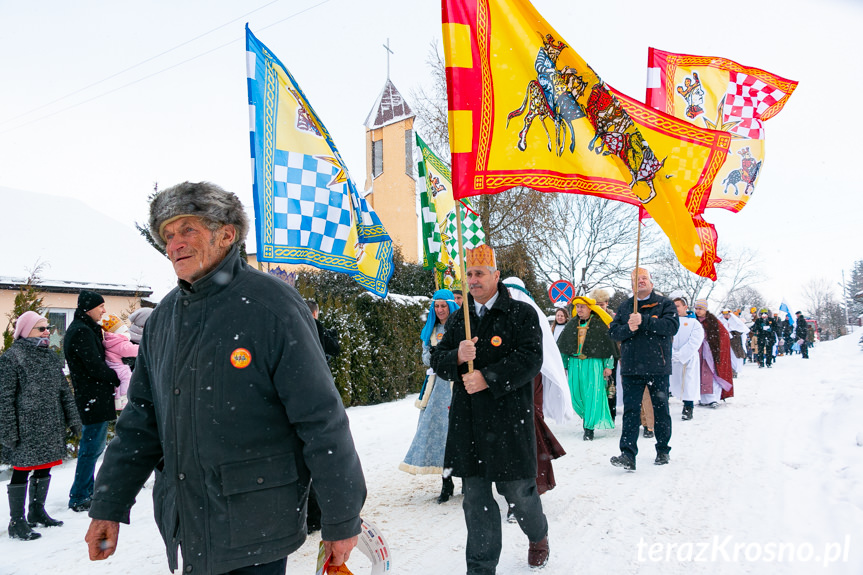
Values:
[(733, 324), (556, 402), (685, 382)]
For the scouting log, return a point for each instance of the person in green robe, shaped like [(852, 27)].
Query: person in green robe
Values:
[(589, 356)]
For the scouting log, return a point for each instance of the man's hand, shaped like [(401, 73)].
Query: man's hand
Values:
[(467, 350), (474, 382), (339, 551), (634, 321), (101, 538)]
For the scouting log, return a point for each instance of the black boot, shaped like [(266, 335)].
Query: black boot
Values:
[(447, 490), (588, 435), (18, 526), (687, 413), (36, 515)]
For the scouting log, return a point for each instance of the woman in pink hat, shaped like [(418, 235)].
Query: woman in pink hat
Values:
[(36, 407)]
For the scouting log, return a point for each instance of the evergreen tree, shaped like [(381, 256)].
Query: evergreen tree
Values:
[(28, 298)]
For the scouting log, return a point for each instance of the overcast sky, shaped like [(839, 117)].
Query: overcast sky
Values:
[(96, 103)]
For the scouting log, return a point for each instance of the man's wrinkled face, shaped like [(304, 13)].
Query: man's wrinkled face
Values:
[(482, 282), (682, 308), (193, 249)]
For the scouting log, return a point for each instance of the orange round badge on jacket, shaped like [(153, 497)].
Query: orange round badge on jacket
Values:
[(241, 357), (496, 341)]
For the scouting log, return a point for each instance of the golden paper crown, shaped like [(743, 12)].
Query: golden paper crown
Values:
[(481, 256), (111, 323)]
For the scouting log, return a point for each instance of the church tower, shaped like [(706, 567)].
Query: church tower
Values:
[(390, 169)]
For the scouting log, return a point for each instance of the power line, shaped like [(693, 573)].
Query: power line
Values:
[(97, 96)]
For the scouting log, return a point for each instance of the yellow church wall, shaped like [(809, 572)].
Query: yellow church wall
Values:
[(394, 197)]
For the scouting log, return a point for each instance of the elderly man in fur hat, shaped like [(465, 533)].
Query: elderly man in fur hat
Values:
[(233, 406), (491, 437)]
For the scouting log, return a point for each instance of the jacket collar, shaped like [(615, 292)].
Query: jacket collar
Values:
[(502, 303), (222, 275), (88, 321)]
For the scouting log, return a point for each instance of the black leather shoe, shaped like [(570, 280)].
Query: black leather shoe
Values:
[(624, 461), (80, 507), (661, 459)]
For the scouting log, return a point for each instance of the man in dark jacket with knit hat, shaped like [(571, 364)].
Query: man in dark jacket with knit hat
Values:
[(233, 406), (645, 340), (94, 383)]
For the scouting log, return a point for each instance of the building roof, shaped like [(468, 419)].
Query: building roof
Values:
[(65, 286), (390, 107), (81, 246)]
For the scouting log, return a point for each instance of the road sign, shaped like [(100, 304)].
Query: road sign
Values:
[(561, 291)]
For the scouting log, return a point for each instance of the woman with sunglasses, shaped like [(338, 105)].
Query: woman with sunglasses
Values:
[(36, 407)]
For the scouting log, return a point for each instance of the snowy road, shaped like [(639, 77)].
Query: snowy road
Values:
[(775, 474)]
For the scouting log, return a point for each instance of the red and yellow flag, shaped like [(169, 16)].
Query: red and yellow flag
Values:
[(720, 94), (526, 110)]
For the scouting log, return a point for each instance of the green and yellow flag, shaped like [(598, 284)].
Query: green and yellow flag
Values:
[(440, 243)]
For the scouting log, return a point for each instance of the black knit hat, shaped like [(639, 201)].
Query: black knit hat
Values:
[(88, 300)]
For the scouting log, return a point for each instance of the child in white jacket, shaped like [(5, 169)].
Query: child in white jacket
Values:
[(118, 346)]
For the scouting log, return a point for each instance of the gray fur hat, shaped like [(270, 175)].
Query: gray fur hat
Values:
[(202, 199)]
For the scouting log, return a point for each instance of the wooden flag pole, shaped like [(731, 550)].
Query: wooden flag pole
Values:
[(463, 265), (637, 256)]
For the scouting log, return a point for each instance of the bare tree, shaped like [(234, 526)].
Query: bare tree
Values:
[(431, 105), (738, 269), (744, 298), (819, 296), (590, 236), (515, 216), (741, 268)]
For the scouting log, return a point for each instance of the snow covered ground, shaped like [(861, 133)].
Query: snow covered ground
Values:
[(770, 483)]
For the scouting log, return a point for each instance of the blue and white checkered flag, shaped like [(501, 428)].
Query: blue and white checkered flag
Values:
[(307, 209)]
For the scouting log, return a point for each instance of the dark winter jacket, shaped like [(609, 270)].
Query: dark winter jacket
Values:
[(802, 329), (92, 379), (233, 405), (646, 351), (765, 331), (491, 433), (329, 340), (36, 405)]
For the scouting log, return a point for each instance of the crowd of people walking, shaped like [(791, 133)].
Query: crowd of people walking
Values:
[(279, 438)]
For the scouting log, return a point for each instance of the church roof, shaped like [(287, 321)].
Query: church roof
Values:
[(389, 107)]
